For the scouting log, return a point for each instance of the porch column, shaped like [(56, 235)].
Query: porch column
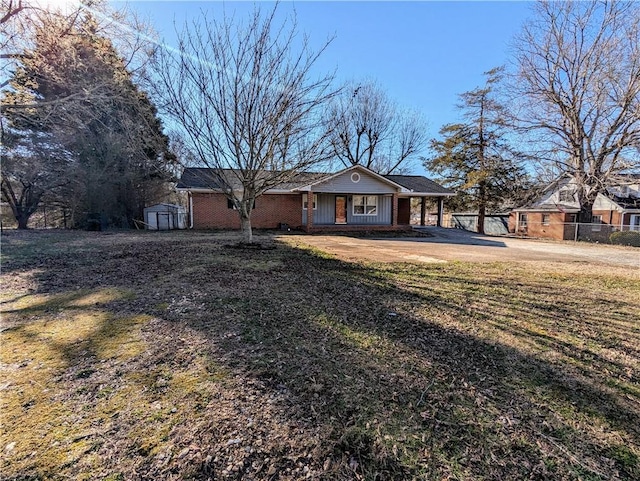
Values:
[(394, 210), (309, 211), (423, 211), (440, 211)]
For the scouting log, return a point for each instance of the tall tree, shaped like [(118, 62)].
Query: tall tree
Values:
[(578, 81), (474, 157), (247, 101), (73, 88), (367, 128)]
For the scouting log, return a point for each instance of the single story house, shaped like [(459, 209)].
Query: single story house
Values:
[(355, 198), (554, 214)]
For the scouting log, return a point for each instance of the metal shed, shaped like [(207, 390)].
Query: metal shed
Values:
[(165, 217)]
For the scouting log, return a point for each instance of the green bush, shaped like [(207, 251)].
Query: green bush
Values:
[(625, 238)]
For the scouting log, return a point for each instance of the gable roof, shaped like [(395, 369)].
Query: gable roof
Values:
[(549, 199), (371, 173)]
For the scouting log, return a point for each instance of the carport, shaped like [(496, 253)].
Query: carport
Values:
[(423, 188)]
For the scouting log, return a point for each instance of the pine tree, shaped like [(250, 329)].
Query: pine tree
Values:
[(474, 157), (73, 86)]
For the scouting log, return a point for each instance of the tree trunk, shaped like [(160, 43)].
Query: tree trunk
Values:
[(247, 233), (23, 220), (482, 208)]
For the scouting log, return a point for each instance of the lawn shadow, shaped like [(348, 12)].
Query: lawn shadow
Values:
[(394, 372), (347, 345)]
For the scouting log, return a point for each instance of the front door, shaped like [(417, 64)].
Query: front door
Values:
[(341, 209)]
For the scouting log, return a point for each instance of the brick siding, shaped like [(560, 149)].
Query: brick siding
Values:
[(210, 211)]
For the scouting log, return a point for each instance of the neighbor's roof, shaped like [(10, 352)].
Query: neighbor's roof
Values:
[(570, 209), (419, 183)]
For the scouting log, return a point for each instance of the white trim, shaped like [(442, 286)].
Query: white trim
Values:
[(355, 177), (315, 201), (364, 205), (373, 174)]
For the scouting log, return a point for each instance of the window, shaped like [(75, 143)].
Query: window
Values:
[(566, 195), (596, 220), (523, 221), (231, 206), (573, 218), (355, 177), (305, 201), (634, 223), (365, 205), (545, 219)]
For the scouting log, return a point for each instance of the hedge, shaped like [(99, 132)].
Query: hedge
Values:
[(625, 238)]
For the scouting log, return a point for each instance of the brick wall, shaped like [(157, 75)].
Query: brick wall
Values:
[(555, 228), (210, 211)]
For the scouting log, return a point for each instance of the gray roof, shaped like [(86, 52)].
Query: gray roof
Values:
[(205, 178), (419, 183)]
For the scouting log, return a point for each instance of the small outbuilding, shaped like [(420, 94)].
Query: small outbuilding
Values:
[(165, 217)]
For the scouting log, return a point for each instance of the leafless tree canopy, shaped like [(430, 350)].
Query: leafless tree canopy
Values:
[(367, 128), (246, 99), (579, 83)]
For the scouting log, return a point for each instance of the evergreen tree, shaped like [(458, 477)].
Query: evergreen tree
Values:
[(73, 87), (474, 157)]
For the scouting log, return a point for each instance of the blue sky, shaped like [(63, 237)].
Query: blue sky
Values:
[(422, 53)]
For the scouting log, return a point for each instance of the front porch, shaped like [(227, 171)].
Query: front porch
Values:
[(333, 212)]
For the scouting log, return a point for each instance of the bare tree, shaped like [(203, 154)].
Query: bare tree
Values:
[(368, 129), (33, 165), (246, 100), (578, 81)]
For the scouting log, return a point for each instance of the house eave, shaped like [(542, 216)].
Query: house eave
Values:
[(375, 175), (568, 210)]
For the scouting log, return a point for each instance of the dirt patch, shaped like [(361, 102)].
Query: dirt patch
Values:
[(455, 245)]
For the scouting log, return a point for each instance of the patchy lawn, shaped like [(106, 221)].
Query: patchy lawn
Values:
[(179, 356)]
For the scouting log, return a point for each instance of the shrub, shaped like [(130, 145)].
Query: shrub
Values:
[(626, 238)]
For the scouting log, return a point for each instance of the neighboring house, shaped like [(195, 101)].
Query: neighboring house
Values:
[(355, 198), (555, 213)]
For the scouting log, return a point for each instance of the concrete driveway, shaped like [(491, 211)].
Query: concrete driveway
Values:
[(455, 244)]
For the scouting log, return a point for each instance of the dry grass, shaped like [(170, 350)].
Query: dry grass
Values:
[(174, 356)]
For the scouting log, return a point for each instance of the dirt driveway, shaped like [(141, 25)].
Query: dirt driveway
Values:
[(455, 244)]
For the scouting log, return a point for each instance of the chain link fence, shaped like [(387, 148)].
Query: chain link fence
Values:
[(576, 231)]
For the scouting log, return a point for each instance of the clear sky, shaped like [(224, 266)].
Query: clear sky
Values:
[(422, 53)]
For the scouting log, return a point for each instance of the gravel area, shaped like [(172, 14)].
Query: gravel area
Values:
[(458, 245)]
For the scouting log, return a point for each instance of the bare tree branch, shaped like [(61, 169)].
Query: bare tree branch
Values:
[(247, 102), (367, 128), (579, 84)]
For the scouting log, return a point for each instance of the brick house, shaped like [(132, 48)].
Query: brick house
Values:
[(355, 198), (555, 212)]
